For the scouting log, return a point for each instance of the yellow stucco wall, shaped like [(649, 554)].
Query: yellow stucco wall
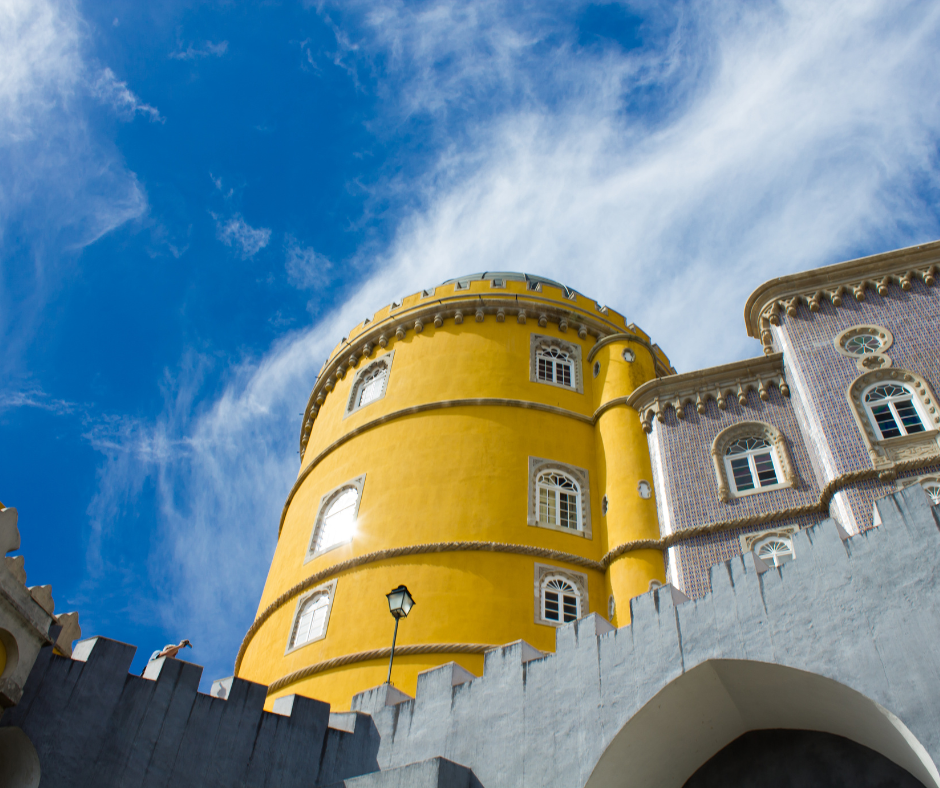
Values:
[(460, 474)]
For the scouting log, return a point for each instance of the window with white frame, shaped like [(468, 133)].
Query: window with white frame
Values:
[(893, 410), (555, 362), (559, 497), (775, 550), (750, 464), (559, 500), (561, 600), (554, 366), (931, 486), (311, 617), (335, 523), (370, 383)]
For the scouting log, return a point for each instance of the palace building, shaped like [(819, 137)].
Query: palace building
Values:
[(623, 576)]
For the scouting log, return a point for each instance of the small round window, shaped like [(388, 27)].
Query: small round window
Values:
[(629, 355), (861, 341), (862, 344), (597, 368)]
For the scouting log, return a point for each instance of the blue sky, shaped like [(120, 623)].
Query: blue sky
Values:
[(197, 200)]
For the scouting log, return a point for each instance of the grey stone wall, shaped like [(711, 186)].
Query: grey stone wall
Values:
[(844, 640)]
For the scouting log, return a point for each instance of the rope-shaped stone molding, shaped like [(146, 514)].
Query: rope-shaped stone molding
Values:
[(398, 552), (835, 295), (820, 506), (378, 653)]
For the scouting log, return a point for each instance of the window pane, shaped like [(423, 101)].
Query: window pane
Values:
[(765, 469), (372, 389), (570, 608), (568, 510), (551, 606), (340, 521), (545, 369), (563, 371), (884, 418), (742, 474), (909, 416)]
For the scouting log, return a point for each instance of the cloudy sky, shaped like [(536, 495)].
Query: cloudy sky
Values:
[(198, 199)]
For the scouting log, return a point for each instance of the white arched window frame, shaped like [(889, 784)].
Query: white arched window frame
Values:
[(894, 409), (560, 595), (930, 485), (311, 617), (336, 519), (751, 457), (559, 497), (555, 362), (896, 412), (771, 548), (370, 383)]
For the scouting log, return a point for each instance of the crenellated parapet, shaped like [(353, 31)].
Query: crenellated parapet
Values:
[(721, 384), (836, 285), (519, 299)]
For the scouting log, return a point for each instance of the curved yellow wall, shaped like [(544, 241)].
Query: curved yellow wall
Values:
[(460, 473)]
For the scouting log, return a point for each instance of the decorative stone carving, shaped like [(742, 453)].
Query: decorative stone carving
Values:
[(384, 363), (458, 317), (751, 429), (885, 452), (718, 383), (438, 320), (582, 331), (520, 318), (383, 340), (419, 326), (500, 316), (543, 320), (400, 332), (367, 350), (479, 316), (563, 325)]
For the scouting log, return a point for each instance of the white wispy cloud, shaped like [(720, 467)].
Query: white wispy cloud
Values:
[(236, 232), (35, 397), (782, 138), (306, 268), (193, 52), (110, 90)]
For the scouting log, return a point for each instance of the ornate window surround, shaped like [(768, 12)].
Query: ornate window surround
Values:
[(752, 542), (330, 590), (536, 466), (751, 429), (866, 361), (885, 452), (325, 503), (537, 341), (925, 481), (543, 572), (352, 404)]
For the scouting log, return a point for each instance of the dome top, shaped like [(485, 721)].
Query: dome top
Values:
[(513, 276)]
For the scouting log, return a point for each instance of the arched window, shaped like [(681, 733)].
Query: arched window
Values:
[(750, 464), (336, 519), (775, 550), (370, 383), (555, 366), (555, 362), (751, 457), (561, 600), (339, 521), (559, 500), (373, 385), (311, 617), (932, 488), (893, 410)]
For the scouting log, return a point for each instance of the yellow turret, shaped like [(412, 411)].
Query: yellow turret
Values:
[(473, 443)]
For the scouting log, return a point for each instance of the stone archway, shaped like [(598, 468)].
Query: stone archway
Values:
[(708, 707), (19, 762)]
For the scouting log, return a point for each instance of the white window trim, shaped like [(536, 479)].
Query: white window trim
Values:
[(752, 466), (751, 429), (924, 481), (915, 401), (543, 572), (538, 465), (538, 341), (330, 590), (885, 452), (751, 543), (325, 502), (352, 405)]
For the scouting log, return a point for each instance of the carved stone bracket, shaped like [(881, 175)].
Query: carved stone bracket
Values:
[(721, 384)]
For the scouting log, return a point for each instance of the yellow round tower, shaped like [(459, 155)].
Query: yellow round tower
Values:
[(472, 442)]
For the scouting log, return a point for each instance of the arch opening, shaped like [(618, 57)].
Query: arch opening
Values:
[(713, 704), (19, 761)]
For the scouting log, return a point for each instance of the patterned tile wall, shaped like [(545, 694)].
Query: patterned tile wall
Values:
[(822, 434)]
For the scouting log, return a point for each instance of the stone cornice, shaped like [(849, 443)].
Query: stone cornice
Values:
[(835, 282), (717, 383), (520, 308)]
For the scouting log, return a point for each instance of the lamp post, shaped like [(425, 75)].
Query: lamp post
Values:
[(399, 605)]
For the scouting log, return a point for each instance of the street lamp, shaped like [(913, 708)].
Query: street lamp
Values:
[(399, 605)]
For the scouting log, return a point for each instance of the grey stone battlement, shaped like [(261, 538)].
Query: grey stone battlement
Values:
[(841, 640)]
